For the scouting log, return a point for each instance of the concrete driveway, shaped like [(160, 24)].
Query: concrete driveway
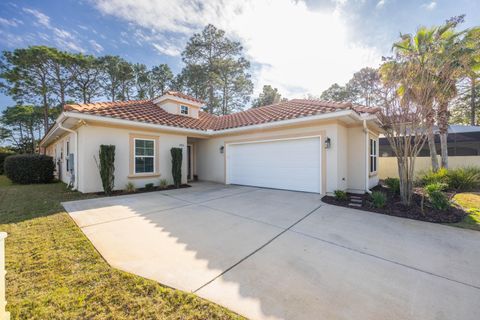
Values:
[(270, 254)]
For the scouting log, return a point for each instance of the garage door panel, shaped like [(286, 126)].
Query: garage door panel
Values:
[(284, 164)]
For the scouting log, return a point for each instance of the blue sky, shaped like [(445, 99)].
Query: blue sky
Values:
[(298, 46)]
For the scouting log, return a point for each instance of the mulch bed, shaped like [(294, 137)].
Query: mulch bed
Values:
[(395, 208), (142, 190)]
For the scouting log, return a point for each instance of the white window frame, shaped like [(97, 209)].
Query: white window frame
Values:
[(184, 110), (373, 154), (140, 156)]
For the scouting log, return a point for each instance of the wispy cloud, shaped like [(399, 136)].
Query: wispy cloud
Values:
[(306, 54), (430, 6), (42, 18), (96, 46), (10, 22), (381, 4), (61, 37)]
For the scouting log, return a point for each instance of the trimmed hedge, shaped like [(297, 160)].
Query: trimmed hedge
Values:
[(3, 155), (29, 168)]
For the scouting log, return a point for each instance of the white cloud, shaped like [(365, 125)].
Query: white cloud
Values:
[(381, 4), (430, 6), (42, 18), (290, 46), (167, 49), (10, 22), (97, 47), (62, 38)]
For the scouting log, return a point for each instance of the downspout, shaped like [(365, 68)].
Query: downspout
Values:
[(75, 156), (367, 177)]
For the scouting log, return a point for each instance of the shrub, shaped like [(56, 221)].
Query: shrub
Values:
[(430, 177), (437, 198), (3, 155), (464, 179), (163, 183), (149, 186), (107, 167), (29, 168), (130, 187), (176, 166), (379, 199), (393, 184), (340, 195)]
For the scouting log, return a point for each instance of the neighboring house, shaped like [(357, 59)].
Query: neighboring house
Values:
[(303, 145), (463, 151)]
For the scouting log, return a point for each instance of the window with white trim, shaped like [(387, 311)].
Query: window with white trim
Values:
[(184, 110), (144, 156), (373, 155)]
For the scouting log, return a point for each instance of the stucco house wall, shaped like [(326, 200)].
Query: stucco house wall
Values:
[(90, 137), (58, 151), (335, 160)]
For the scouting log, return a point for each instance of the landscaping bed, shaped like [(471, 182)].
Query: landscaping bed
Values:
[(142, 190), (394, 207)]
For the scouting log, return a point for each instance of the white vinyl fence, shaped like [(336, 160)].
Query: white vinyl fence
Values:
[(4, 315)]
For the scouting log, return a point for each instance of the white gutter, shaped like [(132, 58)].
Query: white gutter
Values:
[(75, 156), (367, 156)]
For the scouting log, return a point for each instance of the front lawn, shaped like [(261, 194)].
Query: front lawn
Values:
[(54, 272), (471, 203)]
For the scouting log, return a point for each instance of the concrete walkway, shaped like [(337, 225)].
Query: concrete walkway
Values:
[(270, 254)]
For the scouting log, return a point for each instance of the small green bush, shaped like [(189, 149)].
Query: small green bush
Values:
[(340, 195), (163, 183), (29, 168), (437, 198), (3, 155), (379, 199), (393, 184), (149, 186), (430, 177), (464, 179), (130, 187)]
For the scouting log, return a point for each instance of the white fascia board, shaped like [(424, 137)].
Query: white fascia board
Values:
[(59, 119)]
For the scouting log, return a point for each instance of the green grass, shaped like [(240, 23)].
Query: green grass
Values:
[(471, 203), (54, 272)]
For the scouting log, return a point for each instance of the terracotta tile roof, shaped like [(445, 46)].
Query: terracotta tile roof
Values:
[(148, 112)]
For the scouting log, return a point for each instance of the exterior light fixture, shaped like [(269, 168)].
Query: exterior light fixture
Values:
[(222, 149), (328, 143)]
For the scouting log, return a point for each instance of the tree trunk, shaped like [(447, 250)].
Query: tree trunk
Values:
[(443, 131), (472, 102), (45, 112), (431, 147), (405, 185)]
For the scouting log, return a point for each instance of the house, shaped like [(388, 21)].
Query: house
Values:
[(304, 145)]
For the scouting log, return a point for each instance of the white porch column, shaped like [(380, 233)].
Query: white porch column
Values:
[(4, 315)]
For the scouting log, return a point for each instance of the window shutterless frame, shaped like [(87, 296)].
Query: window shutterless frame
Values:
[(183, 109), (373, 155), (135, 156)]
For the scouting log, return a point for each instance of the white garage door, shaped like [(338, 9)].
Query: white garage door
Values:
[(281, 164)]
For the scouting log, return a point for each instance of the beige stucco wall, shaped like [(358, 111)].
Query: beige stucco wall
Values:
[(56, 149), (343, 167), (389, 168), (91, 137)]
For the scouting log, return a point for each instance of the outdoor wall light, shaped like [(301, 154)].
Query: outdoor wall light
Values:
[(327, 143), (222, 149)]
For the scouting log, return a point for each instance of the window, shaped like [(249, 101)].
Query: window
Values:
[(373, 155), (144, 156), (183, 109), (68, 156)]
